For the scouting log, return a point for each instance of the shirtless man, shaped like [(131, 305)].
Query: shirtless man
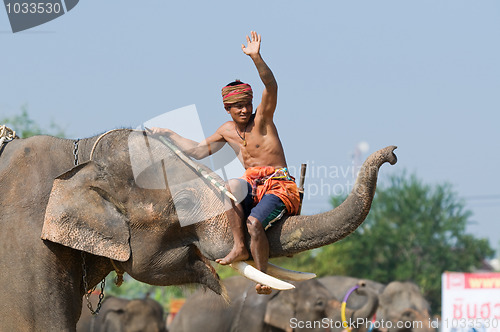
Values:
[(254, 138)]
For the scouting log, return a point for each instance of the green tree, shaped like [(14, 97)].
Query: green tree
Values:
[(26, 126)]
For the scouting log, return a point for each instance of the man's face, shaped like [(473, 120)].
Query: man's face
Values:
[(241, 112)]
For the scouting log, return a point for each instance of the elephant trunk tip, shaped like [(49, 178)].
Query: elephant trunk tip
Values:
[(390, 155), (361, 283)]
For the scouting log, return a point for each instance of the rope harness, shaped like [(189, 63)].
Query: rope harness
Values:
[(119, 274)]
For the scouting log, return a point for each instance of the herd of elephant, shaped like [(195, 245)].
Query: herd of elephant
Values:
[(314, 305)]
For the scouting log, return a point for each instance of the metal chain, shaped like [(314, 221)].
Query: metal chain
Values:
[(88, 291), (75, 152)]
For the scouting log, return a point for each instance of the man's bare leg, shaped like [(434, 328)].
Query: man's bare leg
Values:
[(259, 247), (236, 218), (239, 251)]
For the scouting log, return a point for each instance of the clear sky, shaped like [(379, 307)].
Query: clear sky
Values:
[(423, 75)]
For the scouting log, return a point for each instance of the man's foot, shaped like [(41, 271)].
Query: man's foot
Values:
[(263, 289), (236, 255)]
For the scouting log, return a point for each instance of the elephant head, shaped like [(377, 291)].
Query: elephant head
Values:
[(300, 309), (121, 206), (128, 219), (402, 304), (123, 315)]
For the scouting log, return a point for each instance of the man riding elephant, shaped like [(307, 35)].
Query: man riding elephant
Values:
[(270, 190), (75, 210)]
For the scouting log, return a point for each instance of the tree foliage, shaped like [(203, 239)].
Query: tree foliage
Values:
[(26, 126)]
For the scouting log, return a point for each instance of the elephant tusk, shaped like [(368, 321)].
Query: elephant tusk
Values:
[(260, 277), (282, 273)]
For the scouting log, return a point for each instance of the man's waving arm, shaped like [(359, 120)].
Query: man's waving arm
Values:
[(270, 94)]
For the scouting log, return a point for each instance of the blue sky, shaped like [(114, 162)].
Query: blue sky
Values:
[(422, 75)]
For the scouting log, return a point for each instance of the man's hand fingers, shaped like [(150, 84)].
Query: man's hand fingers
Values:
[(154, 130)]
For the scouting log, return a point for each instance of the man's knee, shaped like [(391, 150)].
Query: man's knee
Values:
[(239, 188), (254, 226)]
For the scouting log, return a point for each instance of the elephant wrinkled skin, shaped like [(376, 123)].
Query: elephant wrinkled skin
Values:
[(403, 303), (108, 211)]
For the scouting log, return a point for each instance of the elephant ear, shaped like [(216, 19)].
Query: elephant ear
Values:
[(82, 214), (280, 309)]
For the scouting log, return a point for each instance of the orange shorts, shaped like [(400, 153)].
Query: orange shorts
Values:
[(270, 180)]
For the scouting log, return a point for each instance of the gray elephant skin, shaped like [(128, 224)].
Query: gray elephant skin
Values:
[(54, 215), (124, 315), (402, 303), (399, 303), (308, 307)]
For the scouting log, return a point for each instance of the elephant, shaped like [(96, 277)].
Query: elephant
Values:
[(124, 315), (308, 307), (400, 303), (72, 211)]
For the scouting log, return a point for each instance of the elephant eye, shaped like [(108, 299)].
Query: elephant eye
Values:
[(185, 200), (320, 303)]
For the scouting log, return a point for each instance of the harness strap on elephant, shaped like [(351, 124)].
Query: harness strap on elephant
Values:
[(119, 274)]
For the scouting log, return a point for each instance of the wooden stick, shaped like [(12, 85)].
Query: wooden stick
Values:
[(301, 184)]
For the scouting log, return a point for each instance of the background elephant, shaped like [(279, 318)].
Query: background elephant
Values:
[(247, 311), (402, 303), (123, 315), (399, 302), (117, 209)]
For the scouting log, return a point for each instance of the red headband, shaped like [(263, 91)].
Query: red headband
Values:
[(232, 94)]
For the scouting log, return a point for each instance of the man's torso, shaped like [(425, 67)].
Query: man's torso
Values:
[(263, 146)]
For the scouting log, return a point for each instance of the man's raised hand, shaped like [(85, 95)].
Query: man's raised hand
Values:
[(253, 44)]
